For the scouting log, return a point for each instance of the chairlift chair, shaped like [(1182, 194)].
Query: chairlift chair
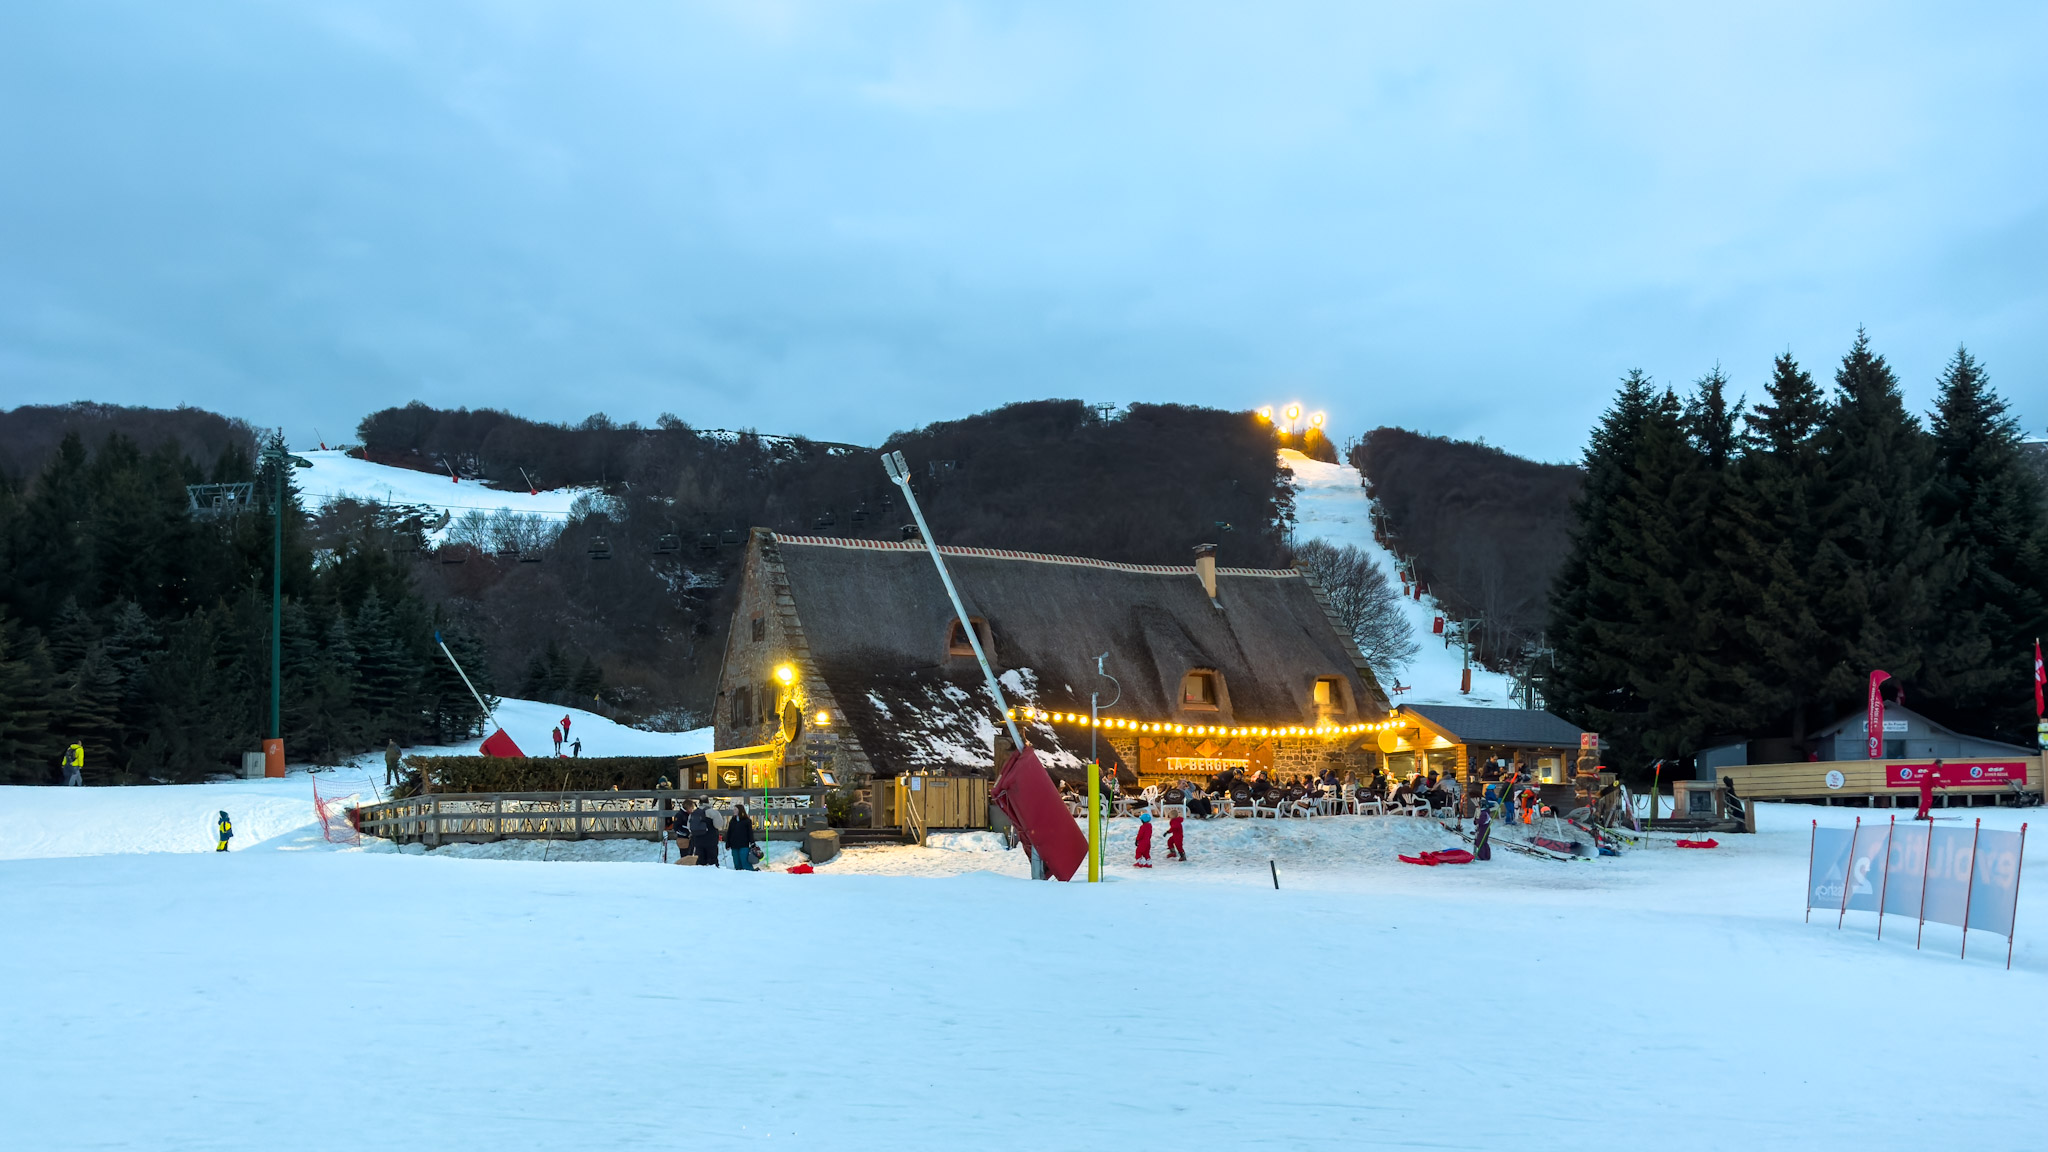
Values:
[(707, 543), (859, 517), (828, 520), (668, 544), (600, 548), (730, 538), (910, 531)]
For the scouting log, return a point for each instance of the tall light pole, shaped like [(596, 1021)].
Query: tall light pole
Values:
[(276, 457)]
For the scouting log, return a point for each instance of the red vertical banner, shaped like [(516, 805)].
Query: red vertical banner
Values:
[(1874, 722), (2040, 680)]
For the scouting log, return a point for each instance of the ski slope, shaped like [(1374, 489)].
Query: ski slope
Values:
[(1330, 504), (336, 475), (291, 994)]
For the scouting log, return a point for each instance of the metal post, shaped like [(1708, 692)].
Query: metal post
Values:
[(893, 463), (1848, 873), (1813, 838), (277, 606), (1970, 889), (1094, 822), (1885, 884), (2013, 928)]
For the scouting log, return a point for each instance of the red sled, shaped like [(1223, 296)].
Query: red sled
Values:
[(1709, 843), (1026, 795), (1447, 856), (800, 869), (499, 744)]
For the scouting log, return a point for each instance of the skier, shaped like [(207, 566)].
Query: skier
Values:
[(739, 836), (1176, 848), (1144, 859), (224, 830), (1926, 811), (556, 732), (391, 762), (703, 836), (74, 766), (1482, 833)]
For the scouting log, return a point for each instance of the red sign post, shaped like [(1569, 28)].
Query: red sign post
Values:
[(1874, 724)]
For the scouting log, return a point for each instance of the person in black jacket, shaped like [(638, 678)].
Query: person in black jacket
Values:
[(739, 836), (703, 836)]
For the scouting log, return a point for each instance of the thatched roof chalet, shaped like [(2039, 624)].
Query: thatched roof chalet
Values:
[(848, 652)]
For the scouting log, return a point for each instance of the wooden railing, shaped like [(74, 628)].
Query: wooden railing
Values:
[(478, 817)]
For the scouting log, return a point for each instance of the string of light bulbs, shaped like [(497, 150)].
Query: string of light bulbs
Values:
[(1163, 727)]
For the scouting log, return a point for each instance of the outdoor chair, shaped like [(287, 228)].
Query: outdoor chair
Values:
[(1413, 805), (1303, 807), (1270, 808), (1369, 804)]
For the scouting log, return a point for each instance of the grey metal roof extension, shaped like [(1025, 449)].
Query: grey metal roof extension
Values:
[(1514, 726)]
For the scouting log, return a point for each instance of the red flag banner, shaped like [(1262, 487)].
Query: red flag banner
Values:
[(2040, 679), (1875, 722)]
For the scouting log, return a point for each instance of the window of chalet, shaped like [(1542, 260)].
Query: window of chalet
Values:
[(1329, 694), (760, 627), (956, 638), (1198, 690), (742, 706)]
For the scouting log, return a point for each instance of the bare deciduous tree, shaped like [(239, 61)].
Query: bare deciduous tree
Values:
[(1358, 591)]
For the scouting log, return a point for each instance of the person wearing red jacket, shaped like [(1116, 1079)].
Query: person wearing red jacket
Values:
[(1926, 811), (1144, 859), (1176, 848)]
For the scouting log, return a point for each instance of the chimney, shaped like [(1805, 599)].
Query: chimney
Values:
[(1205, 567)]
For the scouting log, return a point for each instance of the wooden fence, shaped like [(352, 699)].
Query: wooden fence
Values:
[(479, 817)]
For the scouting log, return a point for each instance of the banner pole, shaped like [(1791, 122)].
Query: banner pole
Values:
[(1848, 872), (2013, 928), (1970, 890), (1812, 836), (1926, 858), (1885, 884)]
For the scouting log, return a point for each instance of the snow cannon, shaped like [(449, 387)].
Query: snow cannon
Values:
[(500, 744), (1026, 794)]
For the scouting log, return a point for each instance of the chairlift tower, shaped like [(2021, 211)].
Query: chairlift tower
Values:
[(278, 459)]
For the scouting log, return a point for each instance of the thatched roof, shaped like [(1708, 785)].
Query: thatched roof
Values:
[(875, 619)]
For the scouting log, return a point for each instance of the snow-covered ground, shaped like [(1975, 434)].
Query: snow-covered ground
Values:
[(291, 994), (1330, 504), (336, 474)]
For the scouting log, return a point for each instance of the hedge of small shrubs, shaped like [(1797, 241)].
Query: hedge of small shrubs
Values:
[(542, 773)]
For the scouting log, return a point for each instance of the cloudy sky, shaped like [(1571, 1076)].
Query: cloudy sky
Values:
[(841, 219)]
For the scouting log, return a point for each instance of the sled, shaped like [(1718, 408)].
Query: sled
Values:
[(1446, 856), (1709, 842)]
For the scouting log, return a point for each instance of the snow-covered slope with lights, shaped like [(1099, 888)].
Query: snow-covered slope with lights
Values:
[(336, 475), (1330, 504)]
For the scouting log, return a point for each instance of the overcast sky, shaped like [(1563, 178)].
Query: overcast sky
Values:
[(842, 219)]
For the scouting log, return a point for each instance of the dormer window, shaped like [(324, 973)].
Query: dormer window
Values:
[(1198, 690), (956, 638), (1329, 694)]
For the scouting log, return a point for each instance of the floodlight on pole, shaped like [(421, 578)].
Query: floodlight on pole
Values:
[(899, 472)]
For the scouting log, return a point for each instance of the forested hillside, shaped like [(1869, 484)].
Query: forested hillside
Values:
[(641, 630), (139, 627), (1741, 573), (1485, 531)]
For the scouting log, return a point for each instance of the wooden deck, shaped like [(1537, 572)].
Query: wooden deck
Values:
[(481, 817), (1863, 783)]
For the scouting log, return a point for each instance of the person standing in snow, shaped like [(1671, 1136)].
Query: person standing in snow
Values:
[(703, 836), (1176, 848), (1926, 811), (576, 749), (74, 766), (565, 725), (391, 762), (1482, 834), (739, 836), (556, 732), (1144, 859)]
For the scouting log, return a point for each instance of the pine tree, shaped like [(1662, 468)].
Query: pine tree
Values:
[(1589, 681), (1880, 568), (1773, 508), (1986, 504), (28, 750)]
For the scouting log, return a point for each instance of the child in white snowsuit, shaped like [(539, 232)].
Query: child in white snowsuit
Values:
[(1144, 859)]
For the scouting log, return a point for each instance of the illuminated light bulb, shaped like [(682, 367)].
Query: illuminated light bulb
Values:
[(1266, 413), (1316, 420), (824, 717), (1294, 411), (786, 673)]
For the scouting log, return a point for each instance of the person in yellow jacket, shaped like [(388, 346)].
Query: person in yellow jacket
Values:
[(74, 766)]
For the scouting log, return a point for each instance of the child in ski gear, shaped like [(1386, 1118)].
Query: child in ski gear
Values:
[(739, 836), (1144, 859), (225, 829), (1176, 848), (1482, 834), (576, 748)]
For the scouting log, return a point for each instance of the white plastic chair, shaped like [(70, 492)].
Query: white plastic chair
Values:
[(1368, 805), (1414, 805), (1269, 811)]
